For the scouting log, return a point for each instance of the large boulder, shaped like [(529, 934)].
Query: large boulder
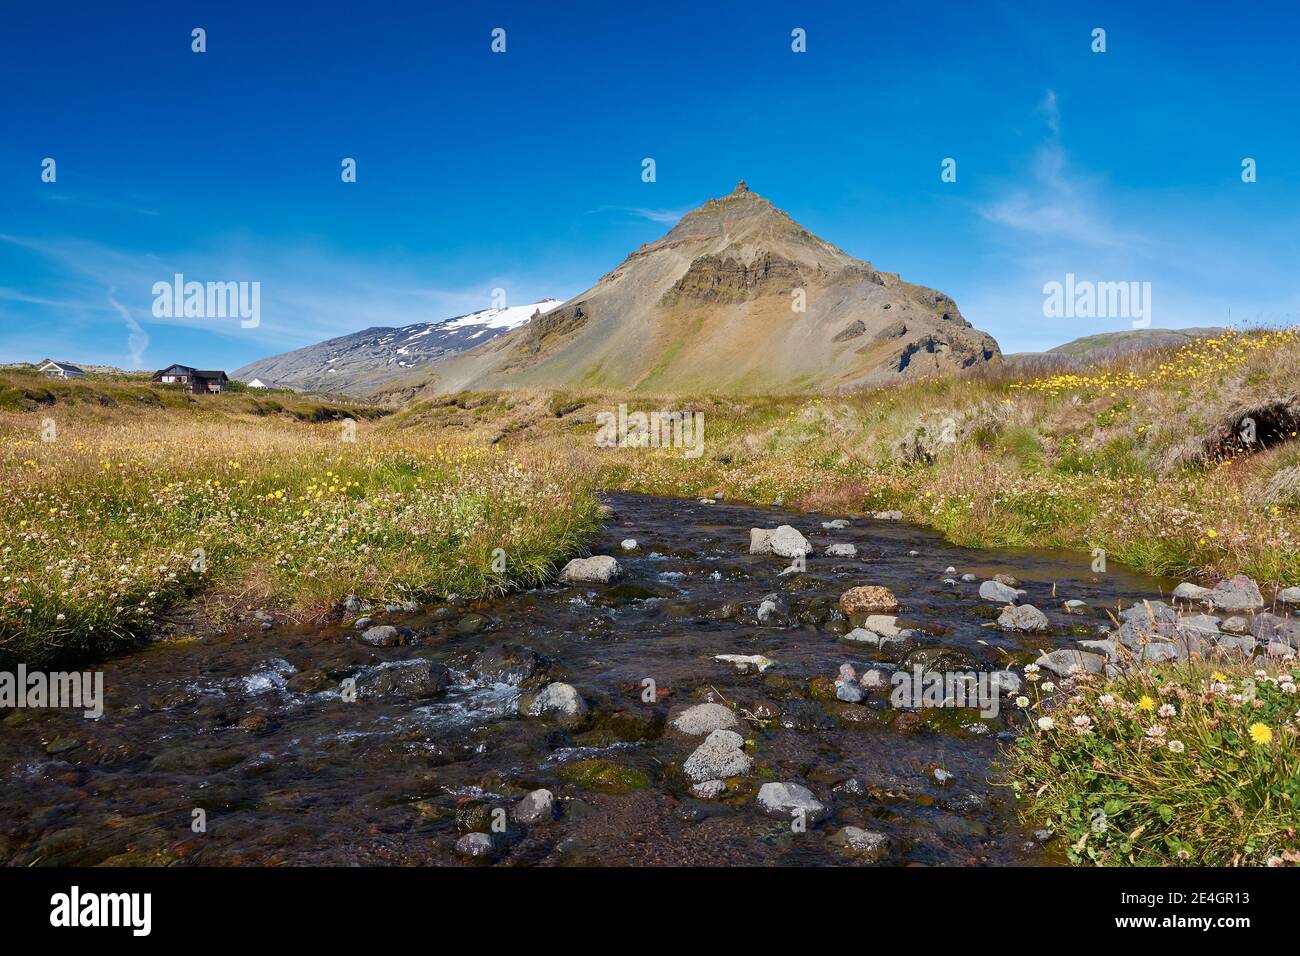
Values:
[(784, 541), (1237, 593), (537, 807), (704, 719), (790, 800), (720, 756), (414, 679), (1190, 592), (866, 844), (1000, 593), (1269, 628), (383, 635), (1060, 662), (1025, 617), (558, 701), (868, 599), (599, 569)]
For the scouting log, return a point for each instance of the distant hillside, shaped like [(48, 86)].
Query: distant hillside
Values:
[(1109, 345), (363, 361)]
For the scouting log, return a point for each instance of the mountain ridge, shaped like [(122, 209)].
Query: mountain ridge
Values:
[(737, 297)]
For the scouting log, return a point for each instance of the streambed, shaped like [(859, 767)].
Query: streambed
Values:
[(248, 732)]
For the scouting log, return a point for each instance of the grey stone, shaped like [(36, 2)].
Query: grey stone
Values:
[(1060, 661), (1269, 627), (556, 700), (709, 789), (849, 691), (1023, 618), (970, 578), (1237, 593), (1076, 607), (415, 679), (1106, 647), (536, 807), (772, 610), (475, 846), (862, 843), (1236, 645), (720, 756), (628, 544), (1191, 592), (704, 719), (383, 635), (841, 551), (1236, 624), (1289, 595), (790, 800), (598, 569), (837, 524), (1000, 593), (1005, 682)]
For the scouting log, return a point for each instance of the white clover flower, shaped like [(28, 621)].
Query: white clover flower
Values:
[(1046, 723), (1176, 746), (1167, 710), (1106, 700), (1048, 686), (1155, 731), (1022, 702)]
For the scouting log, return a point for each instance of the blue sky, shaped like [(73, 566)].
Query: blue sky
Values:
[(522, 170)]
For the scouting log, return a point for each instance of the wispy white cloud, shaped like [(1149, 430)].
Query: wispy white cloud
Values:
[(137, 340)]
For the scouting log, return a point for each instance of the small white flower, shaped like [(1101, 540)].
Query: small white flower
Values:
[(1176, 746), (1022, 702), (1155, 731), (1106, 700), (1167, 710), (1046, 723), (1048, 686)]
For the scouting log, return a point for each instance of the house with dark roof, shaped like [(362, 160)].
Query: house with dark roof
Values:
[(53, 369), (196, 381)]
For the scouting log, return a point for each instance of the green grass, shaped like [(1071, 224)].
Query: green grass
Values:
[(1189, 763)]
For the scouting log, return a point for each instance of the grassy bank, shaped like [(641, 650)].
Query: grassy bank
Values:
[(1110, 459), (121, 501), (1193, 763)]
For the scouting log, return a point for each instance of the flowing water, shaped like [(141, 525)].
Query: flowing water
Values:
[(247, 732)]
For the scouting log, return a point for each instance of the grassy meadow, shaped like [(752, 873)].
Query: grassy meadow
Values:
[(1108, 459), (121, 500)]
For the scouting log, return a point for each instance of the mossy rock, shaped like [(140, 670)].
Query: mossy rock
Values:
[(960, 721), (627, 593), (821, 689), (783, 685), (624, 726), (603, 776)]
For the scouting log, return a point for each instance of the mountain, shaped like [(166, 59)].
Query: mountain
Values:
[(363, 361), (710, 306), (1108, 345)]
